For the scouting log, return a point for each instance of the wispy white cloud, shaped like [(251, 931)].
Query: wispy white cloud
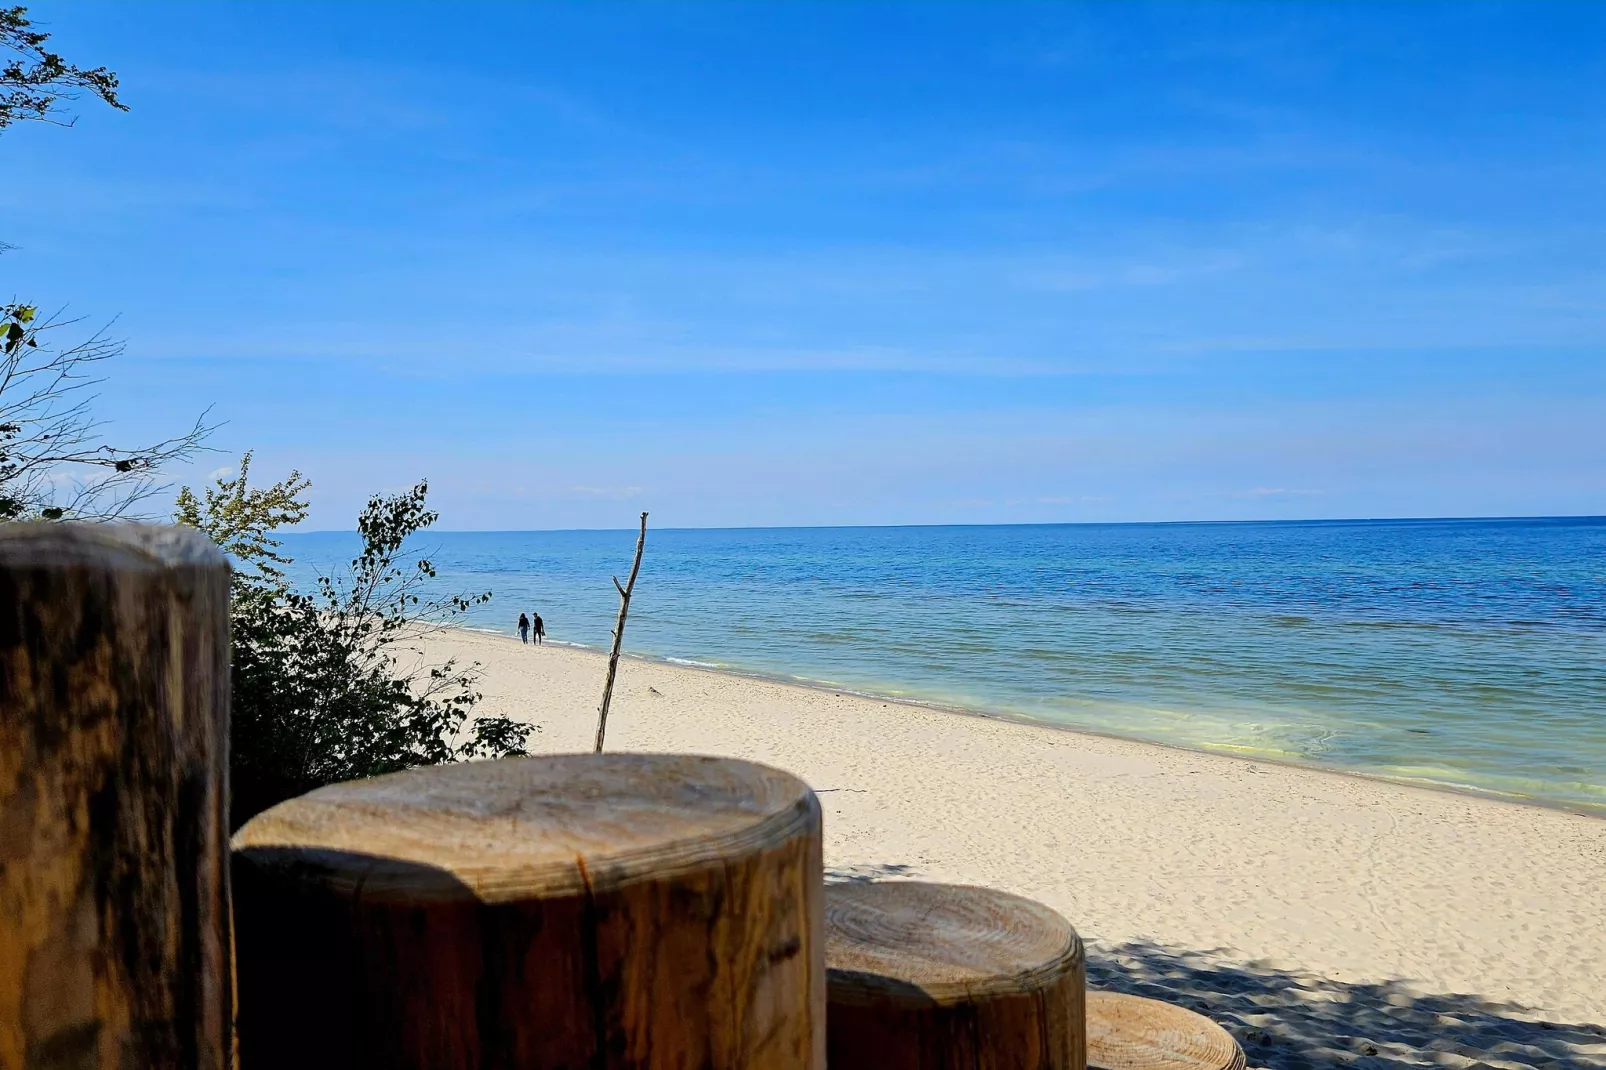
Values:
[(1094, 276), (1275, 492), (605, 493)]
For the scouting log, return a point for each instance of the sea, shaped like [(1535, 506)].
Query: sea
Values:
[(1466, 654)]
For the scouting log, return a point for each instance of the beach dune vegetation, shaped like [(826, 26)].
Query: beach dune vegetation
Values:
[(331, 685)]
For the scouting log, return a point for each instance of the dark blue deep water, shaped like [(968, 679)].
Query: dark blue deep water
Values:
[(1456, 652)]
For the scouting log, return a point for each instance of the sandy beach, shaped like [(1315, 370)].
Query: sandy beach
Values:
[(1326, 919)]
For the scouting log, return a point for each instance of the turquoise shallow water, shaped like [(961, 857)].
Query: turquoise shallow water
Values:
[(1466, 653)]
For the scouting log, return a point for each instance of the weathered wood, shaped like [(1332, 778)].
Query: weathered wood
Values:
[(946, 976), (1134, 1033), (114, 693), (618, 910), (625, 591)]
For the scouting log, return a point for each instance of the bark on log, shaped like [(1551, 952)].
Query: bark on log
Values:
[(114, 693), (931, 975), (1134, 1033), (618, 910)]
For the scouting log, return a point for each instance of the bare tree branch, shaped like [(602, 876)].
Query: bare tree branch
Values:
[(619, 634), (52, 461)]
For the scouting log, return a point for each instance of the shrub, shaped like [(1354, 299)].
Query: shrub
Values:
[(331, 685)]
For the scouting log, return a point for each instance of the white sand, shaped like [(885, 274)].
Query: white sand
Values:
[(1248, 885)]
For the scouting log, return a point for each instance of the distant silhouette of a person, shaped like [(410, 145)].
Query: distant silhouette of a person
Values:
[(540, 629), (524, 628)]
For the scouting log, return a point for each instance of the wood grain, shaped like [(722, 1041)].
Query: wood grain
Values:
[(113, 797), (1134, 1033), (617, 910), (932, 975)]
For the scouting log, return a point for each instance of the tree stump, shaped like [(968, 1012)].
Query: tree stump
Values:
[(114, 700), (618, 910), (933, 975), (1134, 1033)]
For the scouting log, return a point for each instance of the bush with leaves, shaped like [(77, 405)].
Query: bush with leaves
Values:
[(331, 686)]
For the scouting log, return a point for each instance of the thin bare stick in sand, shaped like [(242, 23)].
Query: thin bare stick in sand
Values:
[(619, 634)]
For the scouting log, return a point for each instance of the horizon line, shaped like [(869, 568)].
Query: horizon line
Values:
[(1017, 524)]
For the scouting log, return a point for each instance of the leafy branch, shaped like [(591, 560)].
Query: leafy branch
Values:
[(35, 80)]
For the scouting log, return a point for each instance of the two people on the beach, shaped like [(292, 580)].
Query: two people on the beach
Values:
[(526, 626)]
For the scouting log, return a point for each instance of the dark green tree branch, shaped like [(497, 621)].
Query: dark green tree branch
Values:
[(34, 80)]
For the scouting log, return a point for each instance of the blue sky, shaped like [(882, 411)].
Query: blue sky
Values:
[(845, 263)]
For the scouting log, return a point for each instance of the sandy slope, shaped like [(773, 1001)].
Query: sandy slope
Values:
[(1354, 906)]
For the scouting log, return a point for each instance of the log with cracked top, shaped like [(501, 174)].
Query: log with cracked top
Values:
[(616, 910)]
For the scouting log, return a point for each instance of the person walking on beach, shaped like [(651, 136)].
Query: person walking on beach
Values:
[(524, 628), (540, 629)]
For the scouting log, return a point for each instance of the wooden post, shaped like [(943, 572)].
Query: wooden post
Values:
[(625, 591), (1136, 1033), (944, 976), (114, 693), (619, 910)]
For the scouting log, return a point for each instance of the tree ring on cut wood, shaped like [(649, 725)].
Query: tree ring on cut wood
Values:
[(596, 910), (1135, 1033), (934, 975)]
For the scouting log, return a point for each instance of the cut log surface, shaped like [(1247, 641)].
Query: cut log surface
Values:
[(1134, 1033), (114, 692), (618, 910), (933, 975)]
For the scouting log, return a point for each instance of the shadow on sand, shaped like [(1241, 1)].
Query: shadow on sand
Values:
[(879, 871), (1288, 1020), (1291, 1021)]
